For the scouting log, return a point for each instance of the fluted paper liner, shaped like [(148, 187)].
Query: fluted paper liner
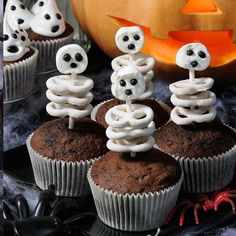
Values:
[(95, 109), (134, 212), (69, 178), (47, 52), (207, 174), (19, 78)]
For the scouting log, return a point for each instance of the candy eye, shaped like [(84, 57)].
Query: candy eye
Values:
[(17, 32), (47, 17), (201, 54), (78, 57), (125, 38), (5, 37), (58, 16), (136, 37), (133, 82), (190, 52), (14, 36), (41, 4), (22, 6), (21, 30), (13, 8), (23, 38), (67, 57), (122, 83)]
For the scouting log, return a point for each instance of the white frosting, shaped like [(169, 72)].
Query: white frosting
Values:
[(18, 14), (130, 39), (130, 131), (127, 84), (193, 56), (71, 59), (47, 19), (70, 97), (16, 42)]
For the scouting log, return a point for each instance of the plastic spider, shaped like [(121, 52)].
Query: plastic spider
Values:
[(203, 202), (47, 218)]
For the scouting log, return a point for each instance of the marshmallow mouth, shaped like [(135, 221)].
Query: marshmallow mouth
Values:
[(55, 28), (219, 43)]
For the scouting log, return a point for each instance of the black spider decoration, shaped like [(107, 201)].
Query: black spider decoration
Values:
[(47, 219)]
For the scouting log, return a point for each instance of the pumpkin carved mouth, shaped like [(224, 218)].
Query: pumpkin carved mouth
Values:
[(219, 43)]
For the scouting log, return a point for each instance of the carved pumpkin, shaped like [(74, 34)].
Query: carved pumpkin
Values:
[(167, 25)]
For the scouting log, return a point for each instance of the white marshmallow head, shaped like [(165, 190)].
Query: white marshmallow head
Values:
[(130, 39), (71, 59), (193, 56), (48, 20), (15, 42), (128, 84), (17, 14)]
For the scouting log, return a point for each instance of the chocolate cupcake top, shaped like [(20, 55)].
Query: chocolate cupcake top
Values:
[(55, 141), (161, 116), (147, 172), (195, 141)]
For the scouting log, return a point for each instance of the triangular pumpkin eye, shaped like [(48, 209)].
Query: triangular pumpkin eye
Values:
[(199, 6)]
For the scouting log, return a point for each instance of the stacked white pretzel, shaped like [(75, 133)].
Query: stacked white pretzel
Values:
[(131, 40), (192, 98), (70, 94)]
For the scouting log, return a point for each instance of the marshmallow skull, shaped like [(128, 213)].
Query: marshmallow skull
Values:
[(193, 56), (47, 19), (130, 39), (16, 42), (128, 84), (71, 59), (17, 13)]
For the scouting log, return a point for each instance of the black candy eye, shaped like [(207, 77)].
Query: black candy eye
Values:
[(13, 8), (78, 57), (17, 32), (5, 37), (14, 36), (58, 16), (23, 38), (21, 30), (201, 54), (47, 17), (22, 6), (125, 38), (136, 37), (133, 82), (190, 52), (67, 57), (122, 83), (41, 4)]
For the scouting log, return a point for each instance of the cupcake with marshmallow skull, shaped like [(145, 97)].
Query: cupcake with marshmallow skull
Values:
[(130, 40), (19, 62), (133, 175), (62, 150), (48, 32), (204, 147)]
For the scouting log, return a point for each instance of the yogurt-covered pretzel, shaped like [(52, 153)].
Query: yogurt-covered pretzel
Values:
[(193, 101), (70, 94)]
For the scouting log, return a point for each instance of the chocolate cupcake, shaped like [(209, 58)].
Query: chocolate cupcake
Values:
[(19, 63), (62, 156), (135, 194), (160, 109), (204, 147)]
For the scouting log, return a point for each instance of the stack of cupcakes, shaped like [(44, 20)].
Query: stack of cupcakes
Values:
[(204, 147), (19, 62), (45, 26), (62, 150), (130, 40), (134, 185)]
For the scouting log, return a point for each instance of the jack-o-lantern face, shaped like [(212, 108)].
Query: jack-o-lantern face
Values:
[(167, 25)]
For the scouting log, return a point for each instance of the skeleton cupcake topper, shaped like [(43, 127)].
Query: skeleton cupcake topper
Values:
[(70, 94), (47, 19), (192, 98), (18, 14)]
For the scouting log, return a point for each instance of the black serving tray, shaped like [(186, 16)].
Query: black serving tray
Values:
[(18, 179)]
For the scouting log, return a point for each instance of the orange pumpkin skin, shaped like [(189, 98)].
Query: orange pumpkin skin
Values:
[(167, 25)]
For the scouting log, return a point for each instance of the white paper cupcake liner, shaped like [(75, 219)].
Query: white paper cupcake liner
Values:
[(207, 174), (47, 52), (69, 178), (95, 109), (134, 212), (19, 78)]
